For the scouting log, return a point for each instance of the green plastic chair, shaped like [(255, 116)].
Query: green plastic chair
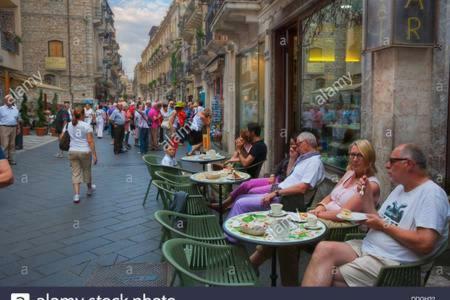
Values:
[(224, 265), (406, 274), (195, 205)]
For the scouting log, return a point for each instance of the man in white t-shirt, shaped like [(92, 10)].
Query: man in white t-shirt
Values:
[(411, 225)]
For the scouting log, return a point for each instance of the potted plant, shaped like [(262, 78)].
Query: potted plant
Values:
[(54, 110), (41, 124), (24, 116)]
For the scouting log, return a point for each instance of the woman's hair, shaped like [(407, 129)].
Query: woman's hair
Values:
[(245, 135), (78, 114), (368, 153)]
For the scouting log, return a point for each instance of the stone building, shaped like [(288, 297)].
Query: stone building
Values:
[(72, 44), (343, 69), (161, 58), (11, 58)]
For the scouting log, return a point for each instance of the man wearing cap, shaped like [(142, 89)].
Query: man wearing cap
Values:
[(9, 128)]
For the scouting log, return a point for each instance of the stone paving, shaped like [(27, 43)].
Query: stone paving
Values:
[(46, 240)]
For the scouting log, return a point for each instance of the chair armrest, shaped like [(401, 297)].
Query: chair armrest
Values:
[(354, 236)]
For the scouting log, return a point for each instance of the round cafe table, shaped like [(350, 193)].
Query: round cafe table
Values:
[(224, 179), (298, 234), (203, 159)]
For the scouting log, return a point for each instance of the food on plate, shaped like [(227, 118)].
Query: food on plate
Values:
[(346, 213), (254, 228), (213, 175)]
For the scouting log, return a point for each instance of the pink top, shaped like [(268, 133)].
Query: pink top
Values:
[(341, 195), (154, 115)]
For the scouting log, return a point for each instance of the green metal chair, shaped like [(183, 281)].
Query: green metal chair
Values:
[(224, 265), (406, 274), (257, 169), (176, 180), (195, 205), (152, 162)]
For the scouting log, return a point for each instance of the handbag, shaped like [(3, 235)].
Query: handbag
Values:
[(64, 143)]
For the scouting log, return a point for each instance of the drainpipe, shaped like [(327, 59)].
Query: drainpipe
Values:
[(69, 50)]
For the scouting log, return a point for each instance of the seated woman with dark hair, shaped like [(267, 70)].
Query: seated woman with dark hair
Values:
[(263, 185)]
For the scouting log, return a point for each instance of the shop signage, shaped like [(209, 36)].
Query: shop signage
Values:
[(400, 23)]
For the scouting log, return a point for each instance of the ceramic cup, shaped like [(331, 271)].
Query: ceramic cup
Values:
[(276, 209)]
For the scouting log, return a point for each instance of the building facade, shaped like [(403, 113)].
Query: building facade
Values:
[(11, 50), (72, 44), (343, 69)]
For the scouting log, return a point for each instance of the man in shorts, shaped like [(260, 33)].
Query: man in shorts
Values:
[(411, 225)]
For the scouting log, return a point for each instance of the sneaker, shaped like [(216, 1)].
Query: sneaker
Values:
[(12, 162), (76, 199), (91, 190), (59, 155)]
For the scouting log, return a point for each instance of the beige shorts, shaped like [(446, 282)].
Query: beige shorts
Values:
[(364, 270), (81, 166)]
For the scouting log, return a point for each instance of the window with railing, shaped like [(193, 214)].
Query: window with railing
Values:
[(10, 42)]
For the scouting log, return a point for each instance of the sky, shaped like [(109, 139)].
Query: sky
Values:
[(133, 20)]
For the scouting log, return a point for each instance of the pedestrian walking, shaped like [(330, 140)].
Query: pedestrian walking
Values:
[(6, 174), (128, 118), (82, 153), (61, 120), (201, 120), (117, 120), (100, 120), (156, 119), (111, 109), (9, 128), (142, 123), (89, 115)]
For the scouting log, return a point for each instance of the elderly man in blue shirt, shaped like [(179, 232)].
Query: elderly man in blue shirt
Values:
[(9, 128), (117, 120)]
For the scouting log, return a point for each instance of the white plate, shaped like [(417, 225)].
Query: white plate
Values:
[(231, 177), (356, 217)]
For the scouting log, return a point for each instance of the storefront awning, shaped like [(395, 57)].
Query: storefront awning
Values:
[(22, 77), (50, 87)]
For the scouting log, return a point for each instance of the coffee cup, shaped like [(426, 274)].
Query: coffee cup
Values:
[(311, 220), (276, 209)]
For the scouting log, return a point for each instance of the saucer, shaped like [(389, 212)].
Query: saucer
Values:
[(283, 213), (317, 227)]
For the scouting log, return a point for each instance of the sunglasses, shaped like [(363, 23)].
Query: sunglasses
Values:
[(393, 160)]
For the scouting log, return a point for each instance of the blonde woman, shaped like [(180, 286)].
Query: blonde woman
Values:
[(345, 195)]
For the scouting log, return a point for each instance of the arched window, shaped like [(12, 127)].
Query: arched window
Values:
[(50, 79), (55, 49)]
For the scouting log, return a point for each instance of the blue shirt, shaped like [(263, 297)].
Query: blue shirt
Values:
[(8, 115), (117, 117), (2, 154)]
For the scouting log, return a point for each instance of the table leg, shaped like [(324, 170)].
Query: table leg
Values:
[(220, 206), (204, 167), (273, 275)]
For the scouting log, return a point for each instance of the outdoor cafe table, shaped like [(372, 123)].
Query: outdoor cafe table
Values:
[(298, 234), (224, 179), (203, 159)]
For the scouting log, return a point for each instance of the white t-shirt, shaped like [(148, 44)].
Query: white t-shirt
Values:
[(88, 115), (426, 206), (168, 161), (310, 171), (78, 136)]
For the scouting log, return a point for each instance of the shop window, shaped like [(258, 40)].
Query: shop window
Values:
[(330, 85), (251, 87), (55, 49)]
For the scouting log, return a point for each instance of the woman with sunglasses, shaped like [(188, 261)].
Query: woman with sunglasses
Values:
[(345, 194)]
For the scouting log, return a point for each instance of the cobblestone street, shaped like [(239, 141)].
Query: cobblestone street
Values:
[(47, 240)]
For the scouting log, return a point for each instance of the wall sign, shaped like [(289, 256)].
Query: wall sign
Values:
[(400, 23)]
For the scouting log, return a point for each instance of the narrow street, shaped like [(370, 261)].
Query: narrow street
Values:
[(47, 240)]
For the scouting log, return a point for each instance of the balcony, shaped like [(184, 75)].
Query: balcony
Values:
[(227, 15), (10, 42), (55, 63), (192, 19)]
